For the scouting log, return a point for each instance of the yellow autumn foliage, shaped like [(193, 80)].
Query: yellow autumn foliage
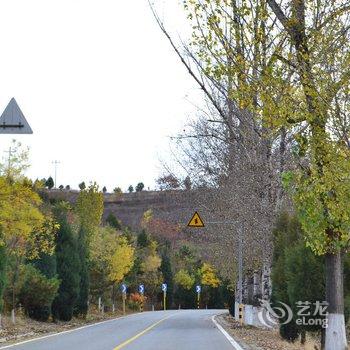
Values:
[(24, 228), (89, 208), (121, 262), (184, 279), (208, 276), (111, 253)]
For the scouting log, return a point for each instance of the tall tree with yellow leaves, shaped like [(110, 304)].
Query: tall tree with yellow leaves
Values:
[(24, 232), (89, 207), (111, 258)]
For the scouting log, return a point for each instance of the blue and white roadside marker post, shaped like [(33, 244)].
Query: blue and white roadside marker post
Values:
[(142, 292), (198, 291), (123, 289), (164, 289)]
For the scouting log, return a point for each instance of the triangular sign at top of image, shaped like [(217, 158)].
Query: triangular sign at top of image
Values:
[(13, 121), (196, 221)]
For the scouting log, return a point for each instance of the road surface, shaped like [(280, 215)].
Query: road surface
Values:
[(161, 330)]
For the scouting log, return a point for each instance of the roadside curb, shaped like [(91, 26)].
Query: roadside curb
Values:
[(228, 337)]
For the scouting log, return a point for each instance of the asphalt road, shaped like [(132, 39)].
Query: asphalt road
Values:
[(162, 330)]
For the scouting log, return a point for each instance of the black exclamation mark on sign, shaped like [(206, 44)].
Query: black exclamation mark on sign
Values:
[(196, 221)]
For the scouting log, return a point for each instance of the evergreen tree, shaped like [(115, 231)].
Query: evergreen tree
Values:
[(81, 307), (139, 187), (284, 235), (113, 221), (305, 277), (117, 190), (297, 274), (131, 189), (67, 267), (46, 264), (104, 189), (82, 186), (143, 240), (185, 298), (168, 278), (49, 183)]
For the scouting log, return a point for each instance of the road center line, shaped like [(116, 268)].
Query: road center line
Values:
[(122, 345)]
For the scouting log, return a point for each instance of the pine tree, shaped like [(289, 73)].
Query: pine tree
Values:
[(284, 235), (143, 239), (297, 274), (81, 307), (67, 268), (46, 264), (305, 277), (49, 183), (113, 221), (139, 187)]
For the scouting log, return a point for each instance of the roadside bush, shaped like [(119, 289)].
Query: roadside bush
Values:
[(37, 293), (289, 331), (136, 300)]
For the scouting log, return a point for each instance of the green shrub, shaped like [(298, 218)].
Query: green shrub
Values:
[(289, 331), (37, 293)]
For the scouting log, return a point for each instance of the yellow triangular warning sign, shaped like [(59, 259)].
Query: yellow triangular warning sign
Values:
[(196, 221)]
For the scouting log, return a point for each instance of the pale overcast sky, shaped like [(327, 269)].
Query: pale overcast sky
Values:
[(98, 83)]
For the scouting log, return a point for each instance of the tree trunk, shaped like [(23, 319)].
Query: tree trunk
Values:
[(335, 332)]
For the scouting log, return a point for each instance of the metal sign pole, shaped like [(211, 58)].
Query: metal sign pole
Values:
[(164, 300), (124, 298)]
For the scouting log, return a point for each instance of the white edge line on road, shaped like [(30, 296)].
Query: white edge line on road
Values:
[(65, 332), (228, 337)]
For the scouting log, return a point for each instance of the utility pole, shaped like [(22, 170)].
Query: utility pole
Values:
[(56, 162), (240, 264), (9, 159)]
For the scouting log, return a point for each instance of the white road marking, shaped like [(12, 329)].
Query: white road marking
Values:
[(65, 332), (228, 337)]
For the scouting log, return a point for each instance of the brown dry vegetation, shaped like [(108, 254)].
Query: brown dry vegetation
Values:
[(252, 338)]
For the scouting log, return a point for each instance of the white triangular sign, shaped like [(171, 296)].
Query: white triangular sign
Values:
[(12, 120)]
